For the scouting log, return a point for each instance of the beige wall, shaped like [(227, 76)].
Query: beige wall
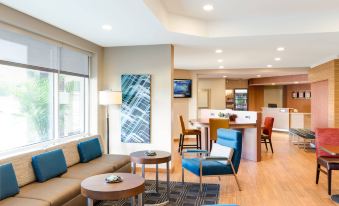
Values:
[(274, 95), (22, 23), (217, 91), (154, 60)]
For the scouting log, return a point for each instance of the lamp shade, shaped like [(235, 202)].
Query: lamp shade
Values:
[(108, 97)]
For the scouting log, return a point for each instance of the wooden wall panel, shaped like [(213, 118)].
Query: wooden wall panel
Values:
[(289, 79), (319, 108), (255, 98), (236, 84), (302, 105), (329, 71)]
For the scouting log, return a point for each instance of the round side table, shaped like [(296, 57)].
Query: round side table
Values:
[(95, 188), (139, 157)]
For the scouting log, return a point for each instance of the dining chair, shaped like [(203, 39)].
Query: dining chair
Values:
[(185, 132), (326, 136), (224, 158), (215, 124), (266, 136)]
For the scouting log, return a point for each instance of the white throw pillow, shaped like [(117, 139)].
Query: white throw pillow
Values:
[(219, 150)]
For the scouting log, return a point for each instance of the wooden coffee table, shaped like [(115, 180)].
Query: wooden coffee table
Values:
[(160, 157), (95, 188)]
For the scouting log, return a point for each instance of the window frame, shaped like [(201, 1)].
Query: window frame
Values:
[(55, 104)]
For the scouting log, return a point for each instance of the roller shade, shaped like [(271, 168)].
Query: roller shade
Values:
[(22, 49), (74, 62)]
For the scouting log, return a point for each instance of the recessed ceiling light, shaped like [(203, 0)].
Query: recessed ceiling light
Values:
[(296, 82), (106, 27), (280, 49), (218, 51), (269, 65), (258, 75), (225, 76), (221, 67), (208, 7), (277, 59), (220, 60), (273, 83)]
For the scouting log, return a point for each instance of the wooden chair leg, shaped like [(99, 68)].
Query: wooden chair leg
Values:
[(179, 149), (235, 176), (270, 141), (329, 181), (211, 145), (182, 143), (317, 174), (266, 145)]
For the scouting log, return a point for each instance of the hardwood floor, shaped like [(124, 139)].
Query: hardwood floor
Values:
[(285, 178)]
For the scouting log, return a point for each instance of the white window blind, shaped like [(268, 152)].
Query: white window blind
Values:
[(22, 49), (74, 62), (42, 55)]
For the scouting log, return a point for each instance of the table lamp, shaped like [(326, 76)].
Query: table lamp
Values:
[(107, 98)]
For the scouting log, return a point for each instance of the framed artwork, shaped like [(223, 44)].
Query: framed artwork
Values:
[(136, 108), (307, 94), (294, 95), (301, 95)]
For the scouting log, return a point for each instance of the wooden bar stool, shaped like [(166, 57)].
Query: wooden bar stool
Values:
[(215, 124), (184, 132)]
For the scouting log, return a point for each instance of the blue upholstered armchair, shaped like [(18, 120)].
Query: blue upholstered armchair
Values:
[(209, 165)]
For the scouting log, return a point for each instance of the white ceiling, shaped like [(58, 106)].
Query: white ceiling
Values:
[(248, 31)]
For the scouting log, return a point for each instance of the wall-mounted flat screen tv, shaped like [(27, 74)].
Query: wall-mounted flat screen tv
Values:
[(182, 88)]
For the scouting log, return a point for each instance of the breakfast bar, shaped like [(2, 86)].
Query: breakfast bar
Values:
[(248, 122)]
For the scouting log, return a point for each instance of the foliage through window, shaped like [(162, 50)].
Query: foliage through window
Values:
[(26, 107), (43, 90)]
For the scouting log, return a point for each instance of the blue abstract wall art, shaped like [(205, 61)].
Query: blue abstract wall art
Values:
[(136, 108)]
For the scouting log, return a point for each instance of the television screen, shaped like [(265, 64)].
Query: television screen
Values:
[(182, 88)]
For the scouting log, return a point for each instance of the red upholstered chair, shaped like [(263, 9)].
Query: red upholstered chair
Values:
[(326, 136), (266, 136)]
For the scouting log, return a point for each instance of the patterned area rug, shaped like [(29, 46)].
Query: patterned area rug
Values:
[(181, 195)]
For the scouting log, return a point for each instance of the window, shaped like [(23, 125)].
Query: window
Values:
[(71, 105), (26, 107), (43, 91)]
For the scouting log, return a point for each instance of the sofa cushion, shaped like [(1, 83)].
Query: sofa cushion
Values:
[(83, 170), (22, 166), (49, 164), (70, 150), (89, 150), (114, 160), (23, 201), (8, 183), (56, 191)]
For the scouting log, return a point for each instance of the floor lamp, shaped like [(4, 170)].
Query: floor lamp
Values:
[(107, 98)]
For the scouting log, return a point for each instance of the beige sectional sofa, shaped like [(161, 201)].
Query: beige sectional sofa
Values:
[(63, 190)]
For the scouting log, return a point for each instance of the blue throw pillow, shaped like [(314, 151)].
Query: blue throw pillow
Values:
[(89, 150), (49, 164), (8, 183)]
